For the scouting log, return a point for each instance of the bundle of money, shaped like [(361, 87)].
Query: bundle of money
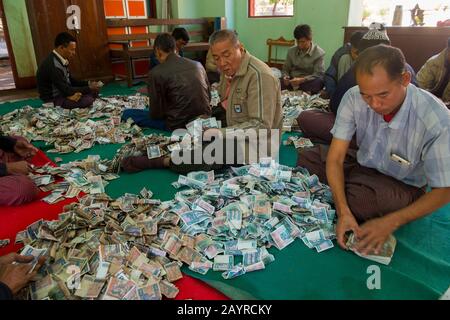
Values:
[(383, 257)]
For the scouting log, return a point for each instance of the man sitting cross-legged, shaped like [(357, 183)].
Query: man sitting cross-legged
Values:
[(56, 84), (178, 90), (403, 138)]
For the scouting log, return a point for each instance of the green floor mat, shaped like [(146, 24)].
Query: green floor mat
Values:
[(420, 268)]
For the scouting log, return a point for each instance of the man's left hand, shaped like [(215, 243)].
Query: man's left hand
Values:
[(95, 85), (297, 81), (373, 235), (25, 149)]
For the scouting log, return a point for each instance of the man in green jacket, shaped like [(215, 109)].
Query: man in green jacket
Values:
[(251, 98), (434, 76)]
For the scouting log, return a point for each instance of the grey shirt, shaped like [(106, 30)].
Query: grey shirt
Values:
[(309, 64)]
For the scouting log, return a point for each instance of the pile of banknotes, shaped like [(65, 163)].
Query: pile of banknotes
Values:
[(295, 102), (78, 129), (156, 146), (299, 142), (132, 248), (68, 181)]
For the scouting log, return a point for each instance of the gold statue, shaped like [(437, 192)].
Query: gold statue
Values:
[(417, 16)]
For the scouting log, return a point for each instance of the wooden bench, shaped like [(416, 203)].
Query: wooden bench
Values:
[(124, 48), (280, 42)]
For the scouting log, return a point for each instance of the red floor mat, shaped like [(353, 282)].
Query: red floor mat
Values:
[(15, 219)]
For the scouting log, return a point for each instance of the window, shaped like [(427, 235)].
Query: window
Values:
[(399, 12), (270, 8)]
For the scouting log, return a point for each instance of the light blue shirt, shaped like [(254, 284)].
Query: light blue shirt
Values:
[(419, 134)]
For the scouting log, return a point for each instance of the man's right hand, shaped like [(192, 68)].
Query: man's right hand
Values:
[(287, 81), (76, 97), (346, 222), (21, 167), (324, 94), (17, 276)]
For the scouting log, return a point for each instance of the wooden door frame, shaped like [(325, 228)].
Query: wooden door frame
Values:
[(40, 55), (21, 83)]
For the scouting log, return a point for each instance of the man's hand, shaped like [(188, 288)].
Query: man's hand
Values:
[(76, 97), (287, 80), (373, 234), (324, 94), (297, 82), (95, 85), (21, 167), (25, 149), (17, 276), (15, 257), (346, 222)]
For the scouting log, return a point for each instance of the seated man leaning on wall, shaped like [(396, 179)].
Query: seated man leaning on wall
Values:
[(251, 96), (434, 76), (182, 38), (403, 137), (55, 83), (15, 186), (304, 67), (178, 90)]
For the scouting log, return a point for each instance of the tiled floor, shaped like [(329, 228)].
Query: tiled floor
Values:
[(6, 76), (14, 95), (8, 91)]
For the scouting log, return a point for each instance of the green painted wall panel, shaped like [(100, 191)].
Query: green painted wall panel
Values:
[(326, 18), (21, 39)]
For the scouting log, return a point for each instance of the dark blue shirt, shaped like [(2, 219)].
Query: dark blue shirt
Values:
[(331, 74), (5, 292)]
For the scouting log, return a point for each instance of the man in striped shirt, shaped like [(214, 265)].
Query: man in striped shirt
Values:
[(403, 139)]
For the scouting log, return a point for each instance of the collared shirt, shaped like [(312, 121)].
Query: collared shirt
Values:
[(419, 134), (227, 92), (64, 62), (254, 102), (254, 97), (309, 64), (433, 76)]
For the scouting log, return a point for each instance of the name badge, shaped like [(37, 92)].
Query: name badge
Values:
[(237, 108)]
